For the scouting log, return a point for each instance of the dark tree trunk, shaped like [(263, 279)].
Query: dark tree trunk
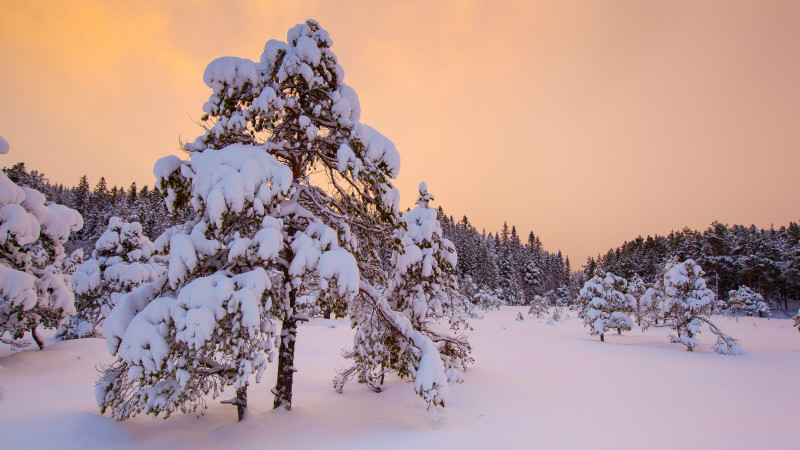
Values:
[(241, 402), (37, 339), (602, 337), (286, 369), (619, 331)]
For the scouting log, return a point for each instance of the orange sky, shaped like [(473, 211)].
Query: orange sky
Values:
[(589, 122)]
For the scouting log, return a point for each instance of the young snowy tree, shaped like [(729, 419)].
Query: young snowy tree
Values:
[(423, 291), (751, 303), (120, 262), (34, 290), (634, 295), (266, 233), (603, 304), (684, 302), (488, 299), (539, 306)]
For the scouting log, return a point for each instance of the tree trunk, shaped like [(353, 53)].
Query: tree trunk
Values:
[(619, 331), (36, 338), (241, 402), (602, 337), (286, 369)]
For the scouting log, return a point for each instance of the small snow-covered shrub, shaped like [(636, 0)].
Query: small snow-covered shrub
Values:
[(747, 301)]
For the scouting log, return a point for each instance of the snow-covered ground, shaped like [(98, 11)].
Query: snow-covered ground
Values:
[(533, 385)]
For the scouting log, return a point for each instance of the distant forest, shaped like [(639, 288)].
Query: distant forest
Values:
[(498, 263)]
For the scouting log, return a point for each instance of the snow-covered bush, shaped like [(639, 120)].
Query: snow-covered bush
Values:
[(488, 299), (34, 290), (604, 305), (120, 262), (684, 303), (422, 290), (539, 306), (747, 301), (267, 233)]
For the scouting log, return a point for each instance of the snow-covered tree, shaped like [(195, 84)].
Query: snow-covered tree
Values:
[(797, 320), (684, 303), (487, 299), (747, 301), (34, 290), (266, 233), (120, 262), (634, 294), (423, 290), (539, 306), (603, 304)]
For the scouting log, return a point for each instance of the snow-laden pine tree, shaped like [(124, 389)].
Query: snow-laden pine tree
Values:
[(684, 303), (293, 196), (634, 293), (539, 306), (487, 299), (120, 262), (423, 291), (747, 301), (604, 305), (34, 290)]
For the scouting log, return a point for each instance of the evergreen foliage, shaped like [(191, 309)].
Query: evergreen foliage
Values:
[(34, 285)]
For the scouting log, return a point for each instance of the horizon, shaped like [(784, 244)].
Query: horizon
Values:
[(592, 114)]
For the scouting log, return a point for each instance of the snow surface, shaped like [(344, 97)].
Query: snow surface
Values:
[(4, 146), (529, 388)]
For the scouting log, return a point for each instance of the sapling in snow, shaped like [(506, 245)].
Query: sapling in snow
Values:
[(684, 303), (539, 306), (747, 301), (604, 305), (34, 290)]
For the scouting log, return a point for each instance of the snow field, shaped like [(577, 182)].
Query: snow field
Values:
[(533, 385)]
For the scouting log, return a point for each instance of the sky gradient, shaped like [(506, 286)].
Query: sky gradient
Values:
[(588, 122)]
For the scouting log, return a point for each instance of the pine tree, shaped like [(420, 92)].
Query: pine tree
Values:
[(603, 304), (634, 294), (424, 292), (747, 301), (684, 302), (267, 233), (34, 290), (120, 262)]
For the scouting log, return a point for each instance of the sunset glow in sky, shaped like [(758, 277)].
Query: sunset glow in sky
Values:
[(589, 122)]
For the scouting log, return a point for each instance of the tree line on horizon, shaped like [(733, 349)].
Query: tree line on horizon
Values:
[(497, 265), (767, 261)]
